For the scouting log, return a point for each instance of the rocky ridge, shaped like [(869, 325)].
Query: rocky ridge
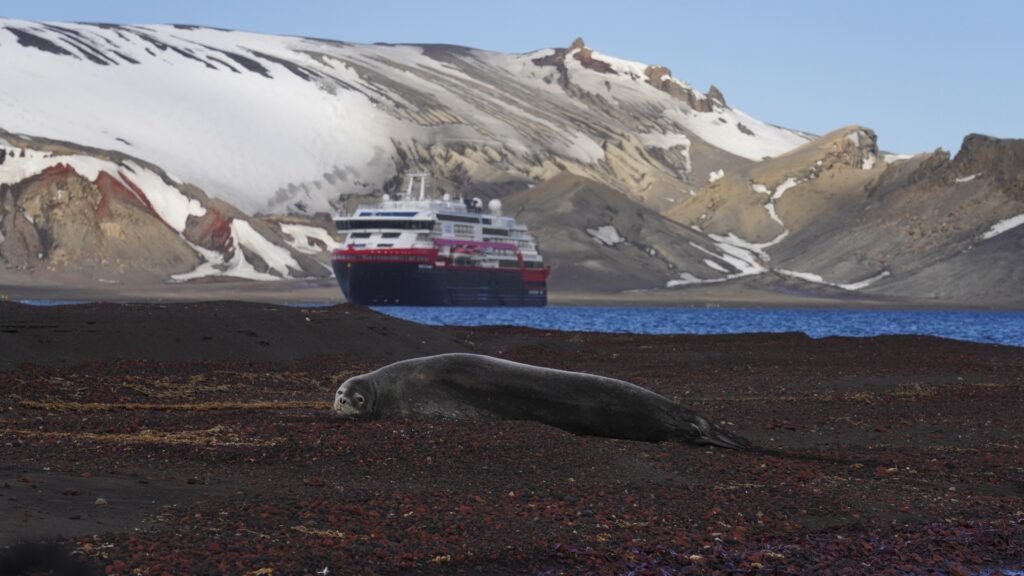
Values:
[(838, 212), (70, 211)]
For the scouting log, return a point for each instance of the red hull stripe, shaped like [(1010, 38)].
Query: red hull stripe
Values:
[(427, 256), (535, 274)]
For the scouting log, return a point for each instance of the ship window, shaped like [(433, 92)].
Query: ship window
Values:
[(359, 235), (495, 232), (487, 221), (384, 245), (368, 223), (391, 235), (454, 218)]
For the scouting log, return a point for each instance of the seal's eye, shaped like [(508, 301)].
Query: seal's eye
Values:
[(359, 399)]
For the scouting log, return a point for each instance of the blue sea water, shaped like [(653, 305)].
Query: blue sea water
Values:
[(976, 326)]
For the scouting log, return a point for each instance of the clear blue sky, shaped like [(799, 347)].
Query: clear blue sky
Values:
[(921, 73)]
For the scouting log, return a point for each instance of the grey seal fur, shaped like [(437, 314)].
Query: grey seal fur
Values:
[(471, 386)]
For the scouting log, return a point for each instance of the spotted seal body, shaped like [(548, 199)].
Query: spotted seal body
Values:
[(471, 386)]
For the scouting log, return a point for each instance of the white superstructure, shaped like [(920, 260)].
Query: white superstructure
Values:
[(461, 231)]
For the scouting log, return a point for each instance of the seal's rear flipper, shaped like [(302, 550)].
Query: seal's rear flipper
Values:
[(719, 437), (699, 431)]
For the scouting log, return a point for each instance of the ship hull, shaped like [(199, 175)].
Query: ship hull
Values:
[(418, 284)]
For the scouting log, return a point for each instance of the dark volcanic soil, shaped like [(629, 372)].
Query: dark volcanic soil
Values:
[(900, 454)]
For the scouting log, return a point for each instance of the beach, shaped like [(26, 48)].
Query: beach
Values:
[(198, 438)]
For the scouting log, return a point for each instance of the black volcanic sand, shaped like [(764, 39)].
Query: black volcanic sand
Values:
[(236, 331), (215, 453)]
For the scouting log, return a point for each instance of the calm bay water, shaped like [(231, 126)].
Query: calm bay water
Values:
[(987, 327)]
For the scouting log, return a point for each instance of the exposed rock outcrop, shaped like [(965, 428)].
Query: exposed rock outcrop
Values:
[(59, 220), (1001, 160), (661, 78), (102, 216)]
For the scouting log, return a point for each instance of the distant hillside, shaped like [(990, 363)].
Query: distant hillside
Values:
[(597, 239)]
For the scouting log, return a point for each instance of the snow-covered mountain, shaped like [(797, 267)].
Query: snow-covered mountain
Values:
[(278, 124)]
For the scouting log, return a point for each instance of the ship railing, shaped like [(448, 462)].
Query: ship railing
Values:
[(429, 203)]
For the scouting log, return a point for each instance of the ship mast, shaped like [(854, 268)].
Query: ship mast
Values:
[(412, 182)]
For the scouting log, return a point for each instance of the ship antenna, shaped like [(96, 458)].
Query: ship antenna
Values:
[(423, 186)]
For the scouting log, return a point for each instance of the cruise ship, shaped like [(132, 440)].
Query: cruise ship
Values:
[(417, 250)]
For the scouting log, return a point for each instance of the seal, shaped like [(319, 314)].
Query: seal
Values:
[(471, 386)]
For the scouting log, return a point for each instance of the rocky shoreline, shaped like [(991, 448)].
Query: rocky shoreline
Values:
[(196, 438)]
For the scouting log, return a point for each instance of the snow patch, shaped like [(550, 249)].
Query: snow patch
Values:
[(1003, 226), (278, 259), (817, 279), (715, 266), (789, 183), (894, 158), (869, 162), (716, 174), (607, 235), (770, 207), (17, 168), (864, 283), (802, 275), (685, 279), (767, 141), (298, 236), (733, 241), (774, 195), (167, 201), (966, 179)]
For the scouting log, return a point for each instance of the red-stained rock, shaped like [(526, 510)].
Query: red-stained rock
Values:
[(211, 230)]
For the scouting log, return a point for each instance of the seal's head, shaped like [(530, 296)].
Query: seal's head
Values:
[(355, 397)]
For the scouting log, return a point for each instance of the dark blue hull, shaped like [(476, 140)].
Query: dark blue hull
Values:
[(418, 284)]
